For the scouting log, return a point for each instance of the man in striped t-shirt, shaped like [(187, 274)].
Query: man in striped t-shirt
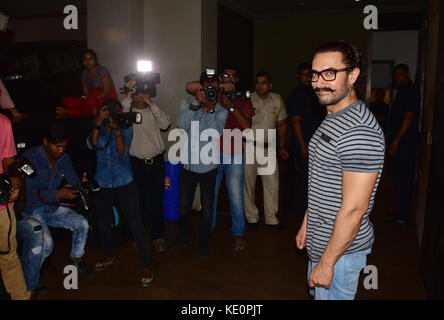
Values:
[(346, 156)]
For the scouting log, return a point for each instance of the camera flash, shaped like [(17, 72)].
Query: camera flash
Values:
[(144, 66)]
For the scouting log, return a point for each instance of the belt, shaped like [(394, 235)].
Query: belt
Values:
[(255, 144), (150, 161)]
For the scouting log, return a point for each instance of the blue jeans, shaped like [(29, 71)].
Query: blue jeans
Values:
[(65, 218), (31, 232), (234, 175), (345, 279)]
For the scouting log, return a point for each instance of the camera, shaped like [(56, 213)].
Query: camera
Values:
[(145, 83), (123, 120), (211, 92), (86, 191), (21, 167), (237, 94)]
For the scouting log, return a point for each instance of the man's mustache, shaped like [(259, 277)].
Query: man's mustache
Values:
[(324, 89)]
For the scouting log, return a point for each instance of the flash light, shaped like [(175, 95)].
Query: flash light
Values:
[(144, 66)]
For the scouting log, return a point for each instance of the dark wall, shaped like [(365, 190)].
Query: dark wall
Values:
[(433, 236), (236, 44)]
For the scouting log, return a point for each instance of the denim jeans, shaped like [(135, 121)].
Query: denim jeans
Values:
[(345, 279), (32, 233), (65, 218), (234, 175)]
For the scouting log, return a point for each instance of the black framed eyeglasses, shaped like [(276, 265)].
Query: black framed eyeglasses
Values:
[(327, 74)]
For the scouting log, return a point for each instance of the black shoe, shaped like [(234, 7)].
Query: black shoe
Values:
[(39, 291), (177, 245), (82, 268), (277, 227), (253, 226)]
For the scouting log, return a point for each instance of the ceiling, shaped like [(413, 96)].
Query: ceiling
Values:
[(16, 9), (251, 8), (265, 8)]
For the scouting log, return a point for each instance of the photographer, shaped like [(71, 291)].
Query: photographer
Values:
[(146, 151), (240, 113), (10, 266), (209, 115), (115, 178), (46, 201)]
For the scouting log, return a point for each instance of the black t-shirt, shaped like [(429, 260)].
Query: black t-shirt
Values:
[(408, 99), (303, 102)]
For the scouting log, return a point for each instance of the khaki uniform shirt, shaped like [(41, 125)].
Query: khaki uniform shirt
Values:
[(268, 112)]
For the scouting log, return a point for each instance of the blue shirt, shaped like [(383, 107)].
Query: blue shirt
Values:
[(188, 121), (42, 189), (112, 171)]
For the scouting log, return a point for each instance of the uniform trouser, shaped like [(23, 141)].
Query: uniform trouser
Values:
[(150, 181), (270, 182), (405, 171), (10, 266)]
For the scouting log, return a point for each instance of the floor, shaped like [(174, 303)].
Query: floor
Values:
[(269, 268)]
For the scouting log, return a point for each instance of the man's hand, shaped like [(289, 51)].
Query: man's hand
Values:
[(301, 237), (227, 102), (284, 154), (226, 86), (321, 276), (147, 99), (393, 149), (15, 192), (84, 178), (304, 152), (66, 193), (103, 114)]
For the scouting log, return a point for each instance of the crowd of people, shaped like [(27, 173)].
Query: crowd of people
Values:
[(338, 142)]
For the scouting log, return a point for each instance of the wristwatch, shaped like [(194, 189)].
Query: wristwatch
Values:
[(232, 108)]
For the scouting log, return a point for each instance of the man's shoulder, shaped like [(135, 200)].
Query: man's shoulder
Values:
[(360, 118)]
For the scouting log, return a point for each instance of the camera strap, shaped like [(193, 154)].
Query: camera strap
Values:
[(9, 233)]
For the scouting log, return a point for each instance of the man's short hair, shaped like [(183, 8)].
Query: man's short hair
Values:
[(264, 74), (56, 132), (304, 66), (403, 67)]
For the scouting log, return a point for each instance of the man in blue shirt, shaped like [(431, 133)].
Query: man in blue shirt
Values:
[(115, 178), (210, 120), (43, 202)]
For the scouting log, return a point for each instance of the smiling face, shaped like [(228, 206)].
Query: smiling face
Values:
[(333, 92)]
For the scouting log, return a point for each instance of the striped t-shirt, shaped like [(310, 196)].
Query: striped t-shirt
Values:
[(348, 140)]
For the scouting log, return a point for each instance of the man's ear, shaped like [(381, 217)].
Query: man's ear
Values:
[(354, 75), (45, 142)]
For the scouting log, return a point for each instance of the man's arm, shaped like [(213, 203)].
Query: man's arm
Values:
[(357, 189), (406, 124), (297, 130), (185, 116), (16, 182), (282, 133)]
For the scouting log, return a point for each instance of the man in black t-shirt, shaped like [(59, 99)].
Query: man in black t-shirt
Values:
[(403, 139), (306, 115)]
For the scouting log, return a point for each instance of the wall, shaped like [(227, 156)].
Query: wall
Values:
[(401, 46), (282, 43), (47, 29), (179, 37)]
